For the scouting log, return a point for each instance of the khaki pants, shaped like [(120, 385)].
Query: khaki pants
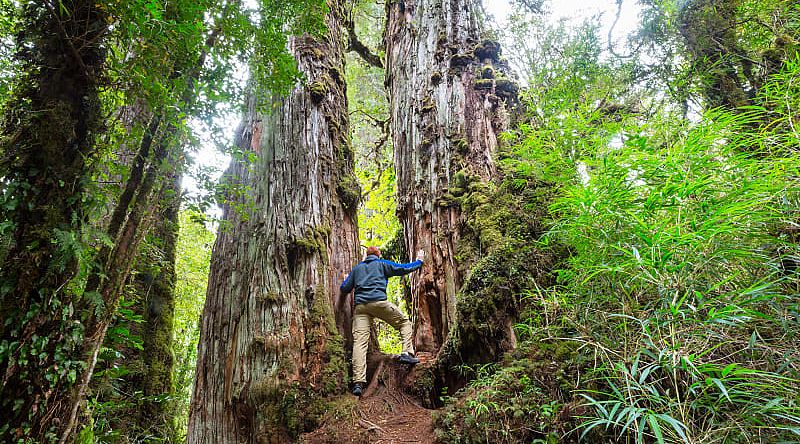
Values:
[(362, 321)]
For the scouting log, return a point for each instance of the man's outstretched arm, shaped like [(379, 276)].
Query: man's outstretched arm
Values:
[(395, 269)]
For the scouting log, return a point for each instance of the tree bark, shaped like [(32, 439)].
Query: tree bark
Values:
[(275, 328), (445, 118), (709, 28), (47, 141), (157, 413)]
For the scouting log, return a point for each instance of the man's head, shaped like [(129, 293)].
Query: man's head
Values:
[(375, 251)]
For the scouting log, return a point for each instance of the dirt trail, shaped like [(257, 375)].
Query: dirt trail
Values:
[(385, 414)]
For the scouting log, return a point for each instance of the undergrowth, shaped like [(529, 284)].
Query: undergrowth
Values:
[(674, 318)]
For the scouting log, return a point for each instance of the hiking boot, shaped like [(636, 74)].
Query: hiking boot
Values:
[(358, 388), (407, 358)]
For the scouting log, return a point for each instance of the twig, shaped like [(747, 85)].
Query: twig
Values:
[(369, 425)]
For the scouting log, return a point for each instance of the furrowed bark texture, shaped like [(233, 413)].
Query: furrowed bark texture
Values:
[(445, 120), (274, 326)]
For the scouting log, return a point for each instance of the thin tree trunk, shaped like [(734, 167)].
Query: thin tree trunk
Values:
[(445, 120), (275, 328), (128, 222), (157, 414)]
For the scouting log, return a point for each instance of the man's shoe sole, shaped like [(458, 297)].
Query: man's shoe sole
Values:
[(409, 360)]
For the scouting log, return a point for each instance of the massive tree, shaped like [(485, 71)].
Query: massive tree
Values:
[(274, 327), (447, 109)]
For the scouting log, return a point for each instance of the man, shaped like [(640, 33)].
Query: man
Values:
[(369, 279)]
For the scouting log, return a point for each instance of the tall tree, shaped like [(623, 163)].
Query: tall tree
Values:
[(157, 414), (274, 327), (48, 138), (447, 109)]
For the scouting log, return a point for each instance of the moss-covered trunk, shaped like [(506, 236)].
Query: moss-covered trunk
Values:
[(274, 328), (447, 109), (157, 414), (47, 144)]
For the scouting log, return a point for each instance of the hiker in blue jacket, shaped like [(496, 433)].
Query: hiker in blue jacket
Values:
[(369, 279)]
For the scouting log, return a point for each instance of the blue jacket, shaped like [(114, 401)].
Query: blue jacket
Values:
[(369, 278)]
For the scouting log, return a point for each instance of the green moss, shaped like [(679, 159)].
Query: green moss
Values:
[(528, 398), (461, 145), (484, 84), (461, 182), (318, 90), (461, 60), (487, 72), (436, 78), (269, 297), (447, 200), (310, 50), (309, 245), (349, 191)]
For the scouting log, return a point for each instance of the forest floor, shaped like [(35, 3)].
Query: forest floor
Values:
[(385, 414)]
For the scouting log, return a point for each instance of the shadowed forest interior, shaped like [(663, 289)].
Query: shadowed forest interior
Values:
[(606, 197)]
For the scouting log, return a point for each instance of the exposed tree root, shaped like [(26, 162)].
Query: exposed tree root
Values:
[(387, 413)]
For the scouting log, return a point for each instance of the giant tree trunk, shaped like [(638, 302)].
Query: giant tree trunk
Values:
[(445, 119), (47, 141), (274, 326)]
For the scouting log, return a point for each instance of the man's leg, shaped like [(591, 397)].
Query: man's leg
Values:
[(393, 316), (361, 324)]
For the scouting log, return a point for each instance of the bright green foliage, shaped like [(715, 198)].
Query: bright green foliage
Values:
[(193, 261), (674, 263), (8, 24), (673, 317)]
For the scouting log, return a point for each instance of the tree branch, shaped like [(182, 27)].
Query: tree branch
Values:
[(355, 45)]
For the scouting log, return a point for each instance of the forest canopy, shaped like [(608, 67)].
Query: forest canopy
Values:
[(610, 221)]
